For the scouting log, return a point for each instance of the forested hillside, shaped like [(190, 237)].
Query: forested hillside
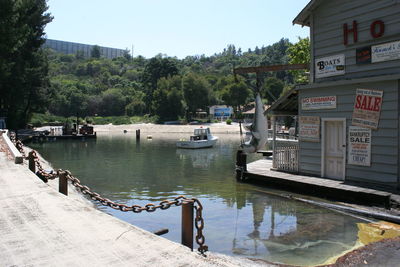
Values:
[(162, 87)]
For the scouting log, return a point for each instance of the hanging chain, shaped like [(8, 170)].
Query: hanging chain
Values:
[(163, 205)]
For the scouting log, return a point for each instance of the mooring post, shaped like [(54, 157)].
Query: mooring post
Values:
[(241, 164), (138, 134), (63, 183), (187, 224), (32, 165)]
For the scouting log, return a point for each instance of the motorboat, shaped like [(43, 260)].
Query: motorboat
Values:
[(201, 138)]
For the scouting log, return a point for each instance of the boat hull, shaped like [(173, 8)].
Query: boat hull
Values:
[(196, 144)]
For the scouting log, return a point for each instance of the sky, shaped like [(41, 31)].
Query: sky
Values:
[(177, 28)]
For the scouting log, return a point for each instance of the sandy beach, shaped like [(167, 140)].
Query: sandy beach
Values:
[(149, 128)]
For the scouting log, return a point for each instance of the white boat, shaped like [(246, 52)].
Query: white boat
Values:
[(201, 138)]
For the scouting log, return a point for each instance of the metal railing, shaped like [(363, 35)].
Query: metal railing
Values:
[(191, 207), (286, 156)]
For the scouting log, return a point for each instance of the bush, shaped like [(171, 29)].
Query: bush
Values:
[(229, 121)]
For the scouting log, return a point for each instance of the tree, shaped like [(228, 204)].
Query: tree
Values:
[(23, 65), (235, 95), (168, 99), (95, 52), (272, 89), (157, 68), (299, 53), (196, 92)]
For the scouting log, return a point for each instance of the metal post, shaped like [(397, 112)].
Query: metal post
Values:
[(187, 224), (63, 183), (32, 165)]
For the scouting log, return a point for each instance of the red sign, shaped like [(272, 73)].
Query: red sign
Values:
[(367, 108)]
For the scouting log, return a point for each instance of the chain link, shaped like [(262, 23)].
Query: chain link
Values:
[(85, 190)]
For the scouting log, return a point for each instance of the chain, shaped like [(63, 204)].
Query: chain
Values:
[(163, 205)]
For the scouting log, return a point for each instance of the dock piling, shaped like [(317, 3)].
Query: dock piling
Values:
[(32, 165), (138, 134), (187, 224), (63, 183)]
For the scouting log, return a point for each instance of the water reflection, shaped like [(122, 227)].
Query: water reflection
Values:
[(240, 219), (201, 158)]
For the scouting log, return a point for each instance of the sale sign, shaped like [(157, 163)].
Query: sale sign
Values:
[(309, 128), (367, 108), (359, 152)]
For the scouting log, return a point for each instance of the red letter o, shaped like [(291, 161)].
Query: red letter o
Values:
[(381, 26)]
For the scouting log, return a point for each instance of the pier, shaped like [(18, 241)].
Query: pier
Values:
[(262, 171)]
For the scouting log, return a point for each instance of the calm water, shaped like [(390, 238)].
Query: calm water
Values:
[(240, 219)]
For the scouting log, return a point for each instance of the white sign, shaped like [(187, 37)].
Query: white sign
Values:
[(367, 108), (359, 152), (320, 102), (309, 128), (385, 52), (330, 66)]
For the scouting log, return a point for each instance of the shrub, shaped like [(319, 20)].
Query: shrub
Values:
[(229, 121)]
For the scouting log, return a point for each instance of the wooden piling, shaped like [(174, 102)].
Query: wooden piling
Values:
[(187, 224), (63, 183), (32, 163), (138, 134)]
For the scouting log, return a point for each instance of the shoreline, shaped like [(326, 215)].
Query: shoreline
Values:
[(216, 128)]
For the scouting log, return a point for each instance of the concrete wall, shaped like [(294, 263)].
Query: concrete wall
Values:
[(385, 149), (327, 34)]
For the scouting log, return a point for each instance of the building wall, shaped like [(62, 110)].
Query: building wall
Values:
[(73, 48), (327, 34), (385, 149)]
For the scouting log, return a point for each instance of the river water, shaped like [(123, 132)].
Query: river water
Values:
[(240, 219)]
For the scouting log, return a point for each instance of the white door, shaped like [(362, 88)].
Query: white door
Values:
[(334, 148)]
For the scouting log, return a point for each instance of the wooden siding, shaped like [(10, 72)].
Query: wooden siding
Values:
[(385, 141), (327, 29)]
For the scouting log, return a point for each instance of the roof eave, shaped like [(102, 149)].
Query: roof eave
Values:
[(303, 18)]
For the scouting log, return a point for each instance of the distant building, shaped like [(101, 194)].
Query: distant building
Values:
[(221, 112), (73, 48)]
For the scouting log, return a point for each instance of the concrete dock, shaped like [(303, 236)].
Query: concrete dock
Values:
[(320, 187), (41, 227)]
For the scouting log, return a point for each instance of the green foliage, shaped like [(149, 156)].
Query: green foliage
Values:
[(235, 95), (23, 65), (229, 121), (95, 52), (196, 91), (272, 89), (165, 87), (299, 53)]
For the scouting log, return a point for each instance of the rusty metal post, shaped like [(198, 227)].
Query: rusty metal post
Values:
[(187, 224), (63, 183), (32, 164)]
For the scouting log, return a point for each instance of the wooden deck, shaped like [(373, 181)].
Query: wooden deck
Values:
[(316, 186)]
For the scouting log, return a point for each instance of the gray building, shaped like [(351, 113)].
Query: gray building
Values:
[(73, 48), (349, 112)]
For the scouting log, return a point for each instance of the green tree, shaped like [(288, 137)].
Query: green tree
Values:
[(168, 99), (272, 89), (23, 65), (95, 52), (299, 53), (196, 92), (236, 95), (157, 67)]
